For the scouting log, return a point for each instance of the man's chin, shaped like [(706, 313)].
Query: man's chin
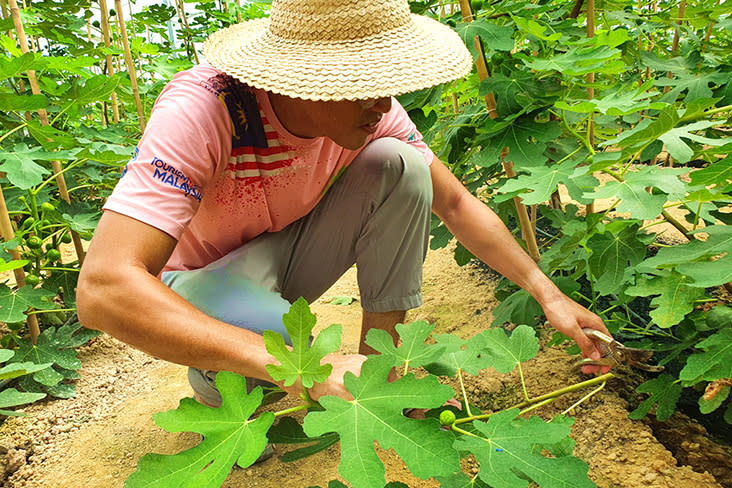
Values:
[(352, 144)]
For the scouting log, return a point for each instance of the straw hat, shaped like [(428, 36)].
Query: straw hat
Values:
[(339, 50)]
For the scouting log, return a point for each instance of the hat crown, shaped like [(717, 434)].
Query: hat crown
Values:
[(336, 20)]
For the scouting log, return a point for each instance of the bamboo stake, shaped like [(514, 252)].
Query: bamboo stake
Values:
[(130, 64), (590, 208), (6, 228), (184, 20), (109, 61), (682, 12), (56, 165), (238, 10), (21, 83), (490, 101), (708, 35)]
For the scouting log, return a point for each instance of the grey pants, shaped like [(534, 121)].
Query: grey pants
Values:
[(377, 215)]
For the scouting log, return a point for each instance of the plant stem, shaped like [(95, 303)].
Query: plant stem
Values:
[(465, 395), (33, 312), (72, 165), (549, 396), (581, 400), (523, 382), (678, 225), (465, 432), (568, 389), (11, 131), (304, 406), (537, 405), (58, 268)]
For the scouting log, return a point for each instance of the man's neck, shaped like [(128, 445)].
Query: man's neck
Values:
[(292, 114)]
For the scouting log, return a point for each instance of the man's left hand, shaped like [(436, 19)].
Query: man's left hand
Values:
[(569, 318)]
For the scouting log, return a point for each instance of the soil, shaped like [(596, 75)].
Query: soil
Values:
[(96, 438)]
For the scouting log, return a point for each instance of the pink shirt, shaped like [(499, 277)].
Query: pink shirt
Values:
[(215, 168)]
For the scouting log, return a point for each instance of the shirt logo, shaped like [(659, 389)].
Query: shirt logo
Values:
[(171, 176)]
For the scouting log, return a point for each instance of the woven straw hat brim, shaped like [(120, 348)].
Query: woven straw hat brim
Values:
[(402, 60)]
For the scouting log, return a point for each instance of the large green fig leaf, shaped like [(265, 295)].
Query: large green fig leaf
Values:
[(375, 414), (302, 361), (712, 364), (617, 100), (230, 436), (14, 370), (19, 65), (495, 37), (509, 454), (54, 347), (413, 351), (10, 102), (632, 193), (579, 60), (505, 352), (526, 141), (693, 259), (538, 186), (676, 296), (14, 303), (612, 253)]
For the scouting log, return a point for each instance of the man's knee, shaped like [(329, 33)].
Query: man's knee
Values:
[(400, 167)]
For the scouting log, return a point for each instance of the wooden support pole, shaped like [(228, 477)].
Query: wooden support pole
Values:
[(490, 101), (130, 64), (6, 228), (590, 208), (56, 165), (109, 61)]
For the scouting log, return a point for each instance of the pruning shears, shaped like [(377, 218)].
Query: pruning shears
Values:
[(615, 353)]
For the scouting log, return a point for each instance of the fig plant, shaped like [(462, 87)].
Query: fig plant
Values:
[(509, 446)]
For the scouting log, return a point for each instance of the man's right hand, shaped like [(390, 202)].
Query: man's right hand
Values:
[(334, 384)]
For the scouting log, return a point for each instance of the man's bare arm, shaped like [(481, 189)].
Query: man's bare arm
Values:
[(120, 294), (480, 230)]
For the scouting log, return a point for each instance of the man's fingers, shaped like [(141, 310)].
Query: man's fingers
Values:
[(587, 346)]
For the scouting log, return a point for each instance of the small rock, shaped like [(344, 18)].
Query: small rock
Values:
[(15, 459), (650, 478)]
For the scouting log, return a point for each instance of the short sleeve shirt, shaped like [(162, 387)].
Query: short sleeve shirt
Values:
[(215, 168)]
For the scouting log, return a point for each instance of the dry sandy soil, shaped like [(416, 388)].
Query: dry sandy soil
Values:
[(96, 439)]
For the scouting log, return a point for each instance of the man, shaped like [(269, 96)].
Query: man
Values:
[(265, 175)]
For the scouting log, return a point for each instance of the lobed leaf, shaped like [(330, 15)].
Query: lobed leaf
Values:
[(230, 436), (714, 363), (612, 253), (375, 414), (303, 360), (413, 351), (506, 352), (677, 295), (664, 391), (460, 355), (693, 259), (508, 455)]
